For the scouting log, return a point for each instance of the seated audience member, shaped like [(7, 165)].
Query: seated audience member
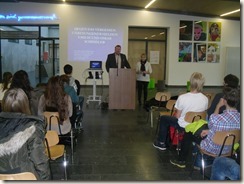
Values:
[(64, 79), (76, 100), (228, 120), (191, 101), (68, 69), (229, 81), (7, 78), (21, 80), (225, 168), (22, 137), (56, 100)]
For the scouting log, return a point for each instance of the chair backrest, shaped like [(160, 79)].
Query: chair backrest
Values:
[(52, 118), (18, 176), (170, 105), (210, 97), (52, 138), (226, 138), (194, 116), (162, 96)]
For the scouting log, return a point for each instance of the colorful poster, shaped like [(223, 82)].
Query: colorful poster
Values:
[(200, 52), (185, 52), (213, 53), (185, 30), (200, 29), (214, 31)]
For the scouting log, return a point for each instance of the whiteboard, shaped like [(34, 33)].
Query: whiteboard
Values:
[(233, 61)]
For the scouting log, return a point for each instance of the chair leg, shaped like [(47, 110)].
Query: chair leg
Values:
[(193, 163), (203, 167), (151, 115), (157, 125), (65, 166)]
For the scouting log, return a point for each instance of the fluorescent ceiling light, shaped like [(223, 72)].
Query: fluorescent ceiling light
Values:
[(183, 27), (149, 4), (198, 22), (153, 35), (161, 33), (230, 13)]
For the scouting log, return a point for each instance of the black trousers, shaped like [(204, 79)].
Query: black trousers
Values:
[(142, 86), (186, 145)]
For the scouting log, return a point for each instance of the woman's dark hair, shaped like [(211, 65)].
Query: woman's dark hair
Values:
[(54, 96), (21, 80), (7, 76), (232, 96)]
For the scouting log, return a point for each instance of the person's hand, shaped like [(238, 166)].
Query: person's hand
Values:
[(204, 133)]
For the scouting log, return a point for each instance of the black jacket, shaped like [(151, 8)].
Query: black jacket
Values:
[(22, 146), (111, 62)]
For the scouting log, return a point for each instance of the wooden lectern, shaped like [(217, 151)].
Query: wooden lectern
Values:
[(122, 88)]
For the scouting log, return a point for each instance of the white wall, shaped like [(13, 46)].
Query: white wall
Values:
[(177, 73)]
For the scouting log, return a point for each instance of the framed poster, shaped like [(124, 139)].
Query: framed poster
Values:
[(213, 53), (214, 31), (200, 31), (154, 57), (185, 30), (185, 52), (200, 52)]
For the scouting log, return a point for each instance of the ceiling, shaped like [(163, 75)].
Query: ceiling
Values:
[(204, 8)]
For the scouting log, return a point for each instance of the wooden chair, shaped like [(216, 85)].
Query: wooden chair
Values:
[(18, 176), (55, 150), (170, 107), (159, 97), (210, 97), (52, 119), (190, 117), (221, 138)]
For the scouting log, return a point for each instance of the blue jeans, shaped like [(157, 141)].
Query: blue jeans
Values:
[(223, 168), (165, 122)]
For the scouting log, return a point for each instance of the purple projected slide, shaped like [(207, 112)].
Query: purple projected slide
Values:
[(92, 43)]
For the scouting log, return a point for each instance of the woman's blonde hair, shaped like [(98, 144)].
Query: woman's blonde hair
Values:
[(15, 100), (197, 81)]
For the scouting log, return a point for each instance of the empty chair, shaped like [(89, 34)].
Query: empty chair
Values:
[(159, 97), (168, 111), (55, 150)]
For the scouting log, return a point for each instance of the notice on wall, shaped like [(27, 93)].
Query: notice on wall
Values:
[(154, 57)]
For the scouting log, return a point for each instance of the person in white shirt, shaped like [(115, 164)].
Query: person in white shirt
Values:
[(143, 71), (194, 101)]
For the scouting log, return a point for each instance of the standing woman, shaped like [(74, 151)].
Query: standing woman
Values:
[(7, 78), (143, 71), (56, 100)]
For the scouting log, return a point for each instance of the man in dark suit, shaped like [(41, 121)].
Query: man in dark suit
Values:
[(117, 60)]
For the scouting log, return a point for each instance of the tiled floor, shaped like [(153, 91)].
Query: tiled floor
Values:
[(116, 145)]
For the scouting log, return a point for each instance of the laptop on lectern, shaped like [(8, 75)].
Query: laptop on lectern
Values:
[(95, 65)]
